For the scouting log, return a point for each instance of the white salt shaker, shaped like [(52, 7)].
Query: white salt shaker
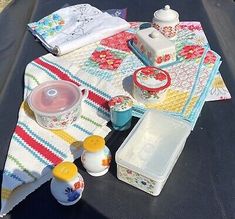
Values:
[(67, 184), (96, 157), (166, 21)]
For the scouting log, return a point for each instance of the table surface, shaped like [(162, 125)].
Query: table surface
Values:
[(202, 183)]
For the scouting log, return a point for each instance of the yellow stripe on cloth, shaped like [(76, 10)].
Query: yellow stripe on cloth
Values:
[(68, 138), (5, 194)]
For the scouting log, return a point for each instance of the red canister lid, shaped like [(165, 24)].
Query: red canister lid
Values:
[(151, 79)]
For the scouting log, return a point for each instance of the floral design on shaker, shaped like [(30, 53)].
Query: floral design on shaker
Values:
[(107, 160), (74, 193), (120, 103)]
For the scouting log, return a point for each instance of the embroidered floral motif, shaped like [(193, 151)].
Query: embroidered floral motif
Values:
[(191, 27), (210, 58), (191, 52), (49, 25), (106, 59), (101, 56), (110, 64), (118, 41)]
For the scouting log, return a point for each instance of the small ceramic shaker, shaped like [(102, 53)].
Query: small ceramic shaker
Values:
[(121, 112), (67, 184), (96, 157), (166, 21)]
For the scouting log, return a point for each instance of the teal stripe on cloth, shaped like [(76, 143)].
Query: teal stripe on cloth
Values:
[(82, 129), (12, 175)]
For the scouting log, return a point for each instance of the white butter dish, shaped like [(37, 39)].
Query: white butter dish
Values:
[(155, 47), (149, 153)]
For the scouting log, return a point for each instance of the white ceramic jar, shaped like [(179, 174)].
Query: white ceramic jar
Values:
[(166, 21), (67, 184), (150, 84), (56, 104), (96, 157)]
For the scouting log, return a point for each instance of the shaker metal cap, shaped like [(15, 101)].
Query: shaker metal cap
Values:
[(166, 14), (94, 143), (65, 171)]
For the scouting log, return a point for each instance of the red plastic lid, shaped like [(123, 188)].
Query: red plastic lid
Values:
[(151, 79)]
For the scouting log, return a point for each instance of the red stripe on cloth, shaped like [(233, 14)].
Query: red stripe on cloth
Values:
[(41, 149), (101, 101)]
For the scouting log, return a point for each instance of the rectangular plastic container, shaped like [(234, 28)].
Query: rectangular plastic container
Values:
[(147, 156)]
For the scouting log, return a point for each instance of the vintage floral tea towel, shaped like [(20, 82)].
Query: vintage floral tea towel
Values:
[(75, 26)]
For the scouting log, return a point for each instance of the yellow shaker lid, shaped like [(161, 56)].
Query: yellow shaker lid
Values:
[(65, 171), (94, 143)]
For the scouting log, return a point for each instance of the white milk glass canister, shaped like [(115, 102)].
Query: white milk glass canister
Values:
[(166, 21), (67, 184), (96, 157)]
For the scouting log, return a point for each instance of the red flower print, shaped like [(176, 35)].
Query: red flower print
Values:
[(106, 162), (142, 48), (156, 26), (210, 58), (118, 41), (149, 54), (167, 28), (194, 27), (148, 71), (129, 171), (167, 57), (159, 60), (78, 185), (160, 76), (191, 52), (64, 123), (114, 101), (110, 64), (135, 40), (100, 56)]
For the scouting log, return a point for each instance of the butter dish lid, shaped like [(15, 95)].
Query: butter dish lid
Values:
[(151, 79), (166, 14), (120, 103), (54, 97)]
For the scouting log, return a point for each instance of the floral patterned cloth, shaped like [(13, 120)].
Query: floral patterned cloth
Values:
[(73, 27), (192, 33)]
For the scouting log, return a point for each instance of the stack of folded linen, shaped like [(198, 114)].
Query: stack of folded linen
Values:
[(73, 27)]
